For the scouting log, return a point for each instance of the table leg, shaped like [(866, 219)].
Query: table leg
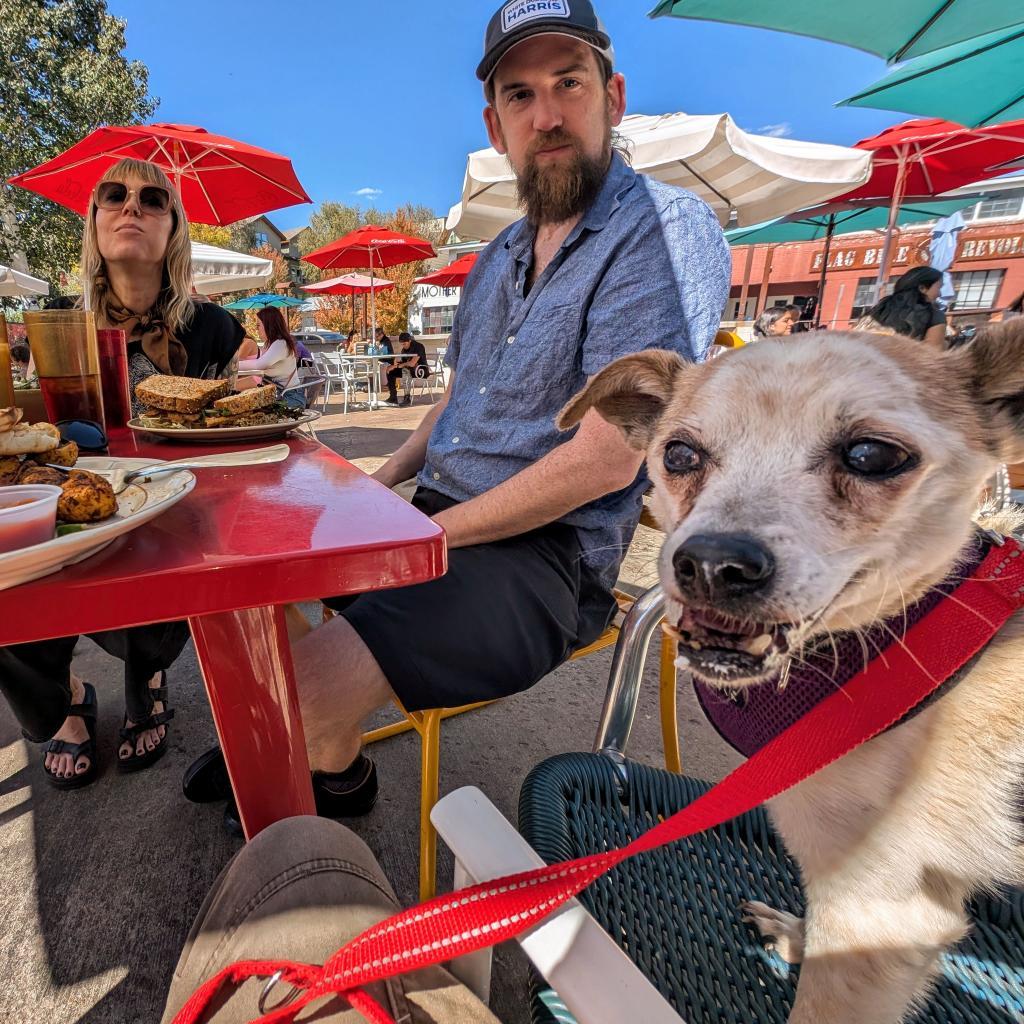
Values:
[(247, 668)]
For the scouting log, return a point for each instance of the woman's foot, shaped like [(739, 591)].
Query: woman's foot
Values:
[(147, 741), (73, 731)]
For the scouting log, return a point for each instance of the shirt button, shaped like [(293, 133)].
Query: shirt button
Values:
[(437, 476), (483, 389), (455, 440), (511, 338)]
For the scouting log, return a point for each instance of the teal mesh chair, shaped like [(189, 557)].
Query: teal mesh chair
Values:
[(675, 911)]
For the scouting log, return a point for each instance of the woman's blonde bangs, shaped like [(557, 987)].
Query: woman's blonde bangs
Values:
[(176, 300)]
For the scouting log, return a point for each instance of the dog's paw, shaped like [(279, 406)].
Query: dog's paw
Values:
[(782, 932)]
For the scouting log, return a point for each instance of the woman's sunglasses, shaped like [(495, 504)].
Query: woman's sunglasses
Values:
[(153, 199)]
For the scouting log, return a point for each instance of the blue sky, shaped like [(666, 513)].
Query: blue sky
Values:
[(372, 95)]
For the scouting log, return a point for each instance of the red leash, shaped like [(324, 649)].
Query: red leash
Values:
[(942, 642)]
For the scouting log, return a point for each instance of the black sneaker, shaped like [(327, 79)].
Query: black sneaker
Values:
[(206, 778), (348, 794)]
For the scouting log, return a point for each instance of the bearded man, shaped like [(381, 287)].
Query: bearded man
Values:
[(605, 262)]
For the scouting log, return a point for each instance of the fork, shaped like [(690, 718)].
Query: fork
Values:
[(120, 478)]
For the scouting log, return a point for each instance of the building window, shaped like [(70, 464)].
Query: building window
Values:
[(863, 298), (1006, 205), (438, 319), (977, 289), (261, 239)]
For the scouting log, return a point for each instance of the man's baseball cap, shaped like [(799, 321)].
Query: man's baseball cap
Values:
[(517, 20)]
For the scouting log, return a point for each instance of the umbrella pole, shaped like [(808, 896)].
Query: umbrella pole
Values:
[(829, 232), (890, 230)]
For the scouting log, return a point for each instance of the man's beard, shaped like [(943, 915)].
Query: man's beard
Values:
[(558, 192)]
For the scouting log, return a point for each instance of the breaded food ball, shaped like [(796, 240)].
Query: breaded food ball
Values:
[(66, 455), (10, 467), (31, 474), (87, 498)]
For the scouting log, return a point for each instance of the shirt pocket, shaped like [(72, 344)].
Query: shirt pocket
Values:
[(544, 354)]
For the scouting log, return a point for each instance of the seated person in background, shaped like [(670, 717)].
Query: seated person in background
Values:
[(773, 323), (21, 356), (349, 345), (606, 262), (911, 310), (277, 360), (137, 281), (415, 361), (248, 350)]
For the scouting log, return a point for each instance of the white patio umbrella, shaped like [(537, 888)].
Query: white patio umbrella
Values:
[(216, 270), (755, 177), (15, 283)]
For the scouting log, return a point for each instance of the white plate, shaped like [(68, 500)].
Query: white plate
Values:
[(226, 435), (136, 504)]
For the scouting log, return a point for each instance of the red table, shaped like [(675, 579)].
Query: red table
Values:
[(228, 557)]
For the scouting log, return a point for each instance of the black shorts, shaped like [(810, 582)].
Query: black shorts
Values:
[(504, 616)]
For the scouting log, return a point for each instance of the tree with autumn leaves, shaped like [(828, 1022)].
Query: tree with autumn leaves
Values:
[(334, 220)]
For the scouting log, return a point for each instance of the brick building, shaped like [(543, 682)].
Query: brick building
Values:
[(988, 272)]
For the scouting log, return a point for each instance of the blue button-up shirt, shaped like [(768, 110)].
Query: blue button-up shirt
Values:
[(647, 266)]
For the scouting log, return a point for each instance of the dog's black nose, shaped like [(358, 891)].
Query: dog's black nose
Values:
[(715, 566)]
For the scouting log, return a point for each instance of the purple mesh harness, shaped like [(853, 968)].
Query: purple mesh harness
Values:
[(755, 716)]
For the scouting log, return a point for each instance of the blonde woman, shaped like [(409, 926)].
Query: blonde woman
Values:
[(136, 272)]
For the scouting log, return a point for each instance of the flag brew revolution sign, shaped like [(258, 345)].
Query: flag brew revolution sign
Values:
[(913, 251)]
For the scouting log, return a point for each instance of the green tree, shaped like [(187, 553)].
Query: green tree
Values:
[(210, 234), (63, 74)]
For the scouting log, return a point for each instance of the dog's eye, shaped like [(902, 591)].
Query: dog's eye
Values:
[(682, 458), (875, 458)]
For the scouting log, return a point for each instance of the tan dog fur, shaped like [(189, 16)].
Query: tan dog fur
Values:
[(893, 838)]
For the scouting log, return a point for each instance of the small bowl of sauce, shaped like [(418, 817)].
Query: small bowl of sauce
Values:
[(28, 515)]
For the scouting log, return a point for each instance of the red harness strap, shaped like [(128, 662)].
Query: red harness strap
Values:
[(482, 915)]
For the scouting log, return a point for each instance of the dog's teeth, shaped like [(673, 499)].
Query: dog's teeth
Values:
[(758, 645)]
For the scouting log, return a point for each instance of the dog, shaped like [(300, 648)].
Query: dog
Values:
[(813, 488)]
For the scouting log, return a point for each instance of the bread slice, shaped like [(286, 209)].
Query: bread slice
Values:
[(247, 401), (179, 394)]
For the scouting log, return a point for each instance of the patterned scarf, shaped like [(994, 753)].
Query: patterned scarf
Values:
[(162, 349)]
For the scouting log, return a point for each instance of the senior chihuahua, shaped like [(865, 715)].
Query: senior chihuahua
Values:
[(813, 489)]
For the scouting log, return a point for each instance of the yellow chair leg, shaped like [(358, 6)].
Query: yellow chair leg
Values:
[(667, 696), (430, 740)]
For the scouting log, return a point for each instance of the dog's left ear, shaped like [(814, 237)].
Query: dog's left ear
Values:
[(630, 393), (996, 369)]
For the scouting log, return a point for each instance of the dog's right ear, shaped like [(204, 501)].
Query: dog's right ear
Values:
[(630, 393)]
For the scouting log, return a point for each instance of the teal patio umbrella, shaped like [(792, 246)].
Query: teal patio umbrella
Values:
[(837, 219), (977, 82), (263, 300), (894, 29)]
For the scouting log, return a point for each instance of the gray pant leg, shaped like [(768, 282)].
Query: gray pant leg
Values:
[(299, 891)]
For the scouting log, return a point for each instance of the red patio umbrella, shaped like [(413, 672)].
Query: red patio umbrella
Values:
[(454, 275), (926, 157), (220, 180), (373, 247), (351, 284)]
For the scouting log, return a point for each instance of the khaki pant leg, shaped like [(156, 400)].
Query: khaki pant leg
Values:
[(300, 890)]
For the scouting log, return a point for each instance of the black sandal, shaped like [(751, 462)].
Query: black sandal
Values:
[(131, 733), (87, 711)]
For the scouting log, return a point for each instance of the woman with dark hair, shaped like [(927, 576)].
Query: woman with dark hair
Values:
[(277, 362), (773, 323), (911, 309)]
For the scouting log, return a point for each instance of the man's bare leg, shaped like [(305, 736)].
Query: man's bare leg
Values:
[(340, 684)]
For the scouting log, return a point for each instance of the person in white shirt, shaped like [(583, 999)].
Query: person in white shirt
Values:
[(277, 361)]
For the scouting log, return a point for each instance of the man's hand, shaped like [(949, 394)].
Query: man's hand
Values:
[(596, 462)]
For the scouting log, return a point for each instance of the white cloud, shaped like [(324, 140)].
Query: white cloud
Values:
[(368, 193), (776, 131)]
